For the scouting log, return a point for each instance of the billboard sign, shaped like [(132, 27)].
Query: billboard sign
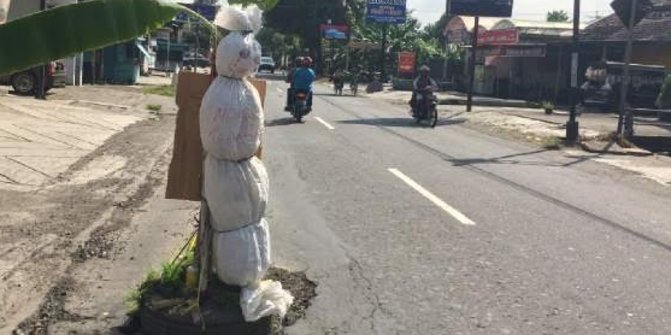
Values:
[(492, 8), (407, 62), (386, 11), (499, 37), (334, 31), (207, 11)]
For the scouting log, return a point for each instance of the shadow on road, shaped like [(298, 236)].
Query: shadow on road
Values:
[(656, 144), (345, 95), (400, 122), (271, 76), (507, 159), (280, 122)]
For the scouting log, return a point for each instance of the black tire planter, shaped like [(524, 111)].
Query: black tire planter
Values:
[(157, 323)]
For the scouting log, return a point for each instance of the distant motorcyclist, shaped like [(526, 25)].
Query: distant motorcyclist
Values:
[(421, 85), (303, 79), (338, 81), (290, 78)]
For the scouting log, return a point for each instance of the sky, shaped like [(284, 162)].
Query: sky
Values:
[(429, 11)]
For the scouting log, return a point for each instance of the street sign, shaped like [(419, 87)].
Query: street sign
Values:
[(516, 51), (386, 11), (493, 8), (334, 31), (406, 62), (622, 9), (207, 11), (499, 37)]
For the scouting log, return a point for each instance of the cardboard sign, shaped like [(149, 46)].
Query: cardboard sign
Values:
[(186, 167)]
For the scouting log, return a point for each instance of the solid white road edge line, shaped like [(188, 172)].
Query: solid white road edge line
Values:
[(328, 126), (433, 198)]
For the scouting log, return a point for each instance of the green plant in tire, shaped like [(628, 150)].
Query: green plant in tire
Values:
[(548, 107)]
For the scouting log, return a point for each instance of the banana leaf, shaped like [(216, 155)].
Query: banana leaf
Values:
[(66, 30)]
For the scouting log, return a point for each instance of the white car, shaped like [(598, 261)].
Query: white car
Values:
[(267, 64)]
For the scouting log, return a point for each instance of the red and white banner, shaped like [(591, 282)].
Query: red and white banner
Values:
[(499, 37), (406, 62)]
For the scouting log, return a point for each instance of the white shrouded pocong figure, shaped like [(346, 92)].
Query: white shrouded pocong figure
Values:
[(235, 182)]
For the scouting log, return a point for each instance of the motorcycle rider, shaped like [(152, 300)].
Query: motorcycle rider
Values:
[(338, 80), (303, 79), (290, 78), (421, 84)]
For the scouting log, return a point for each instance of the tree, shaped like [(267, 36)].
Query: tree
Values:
[(278, 45), (558, 16), (303, 18)]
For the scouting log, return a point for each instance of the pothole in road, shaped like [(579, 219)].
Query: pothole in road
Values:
[(303, 290), (164, 307)]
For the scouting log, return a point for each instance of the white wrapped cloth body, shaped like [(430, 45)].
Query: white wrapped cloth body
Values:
[(235, 183), (242, 257)]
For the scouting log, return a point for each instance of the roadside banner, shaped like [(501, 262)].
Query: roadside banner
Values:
[(386, 11), (515, 51), (499, 37), (334, 31), (406, 63)]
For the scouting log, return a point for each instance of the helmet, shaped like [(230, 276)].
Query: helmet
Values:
[(307, 61), (425, 68), (298, 61)]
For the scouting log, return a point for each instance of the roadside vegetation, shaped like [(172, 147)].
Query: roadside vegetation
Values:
[(164, 90)]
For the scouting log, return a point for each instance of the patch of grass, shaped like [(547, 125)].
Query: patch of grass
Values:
[(169, 282), (164, 90), (134, 298), (551, 143), (154, 108)]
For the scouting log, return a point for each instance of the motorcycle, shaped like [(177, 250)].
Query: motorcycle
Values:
[(300, 106), (354, 86), (338, 85), (426, 107)]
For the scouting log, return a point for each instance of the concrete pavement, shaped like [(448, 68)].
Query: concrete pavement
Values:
[(40, 139), (561, 244), (81, 164)]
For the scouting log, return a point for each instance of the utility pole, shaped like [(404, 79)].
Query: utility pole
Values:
[(40, 90), (447, 42), (573, 127), (624, 123), (383, 52), (471, 66)]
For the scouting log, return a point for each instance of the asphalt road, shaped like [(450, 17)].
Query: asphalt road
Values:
[(410, 230)]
